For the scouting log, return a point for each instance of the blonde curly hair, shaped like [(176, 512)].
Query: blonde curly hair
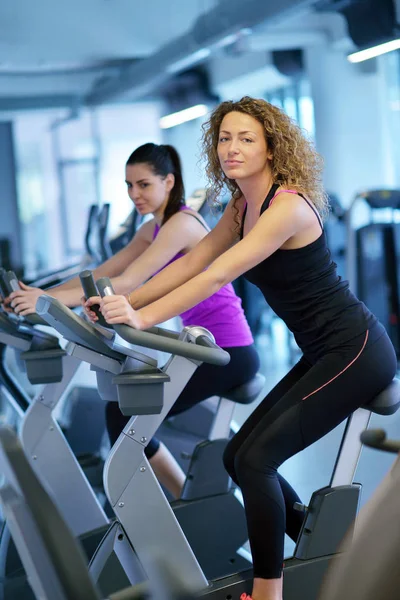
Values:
[(295, 163)]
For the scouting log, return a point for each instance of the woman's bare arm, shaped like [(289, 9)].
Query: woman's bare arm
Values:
[(116, 264), (180, 233), (220, 239), (24, 301), (287, 217)]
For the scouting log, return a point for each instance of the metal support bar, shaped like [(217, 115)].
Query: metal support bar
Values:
[(15, 342), (54, 461), (350, 450), (222, 421), (30, 547), (135, 494)]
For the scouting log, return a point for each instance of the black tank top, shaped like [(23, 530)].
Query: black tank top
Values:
[(303, 288)]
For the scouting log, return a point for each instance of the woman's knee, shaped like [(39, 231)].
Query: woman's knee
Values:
[(242, 464), (238, 462), (253, 461), (152, 448)]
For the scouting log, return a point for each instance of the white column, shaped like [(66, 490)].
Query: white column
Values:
[(351, 122)]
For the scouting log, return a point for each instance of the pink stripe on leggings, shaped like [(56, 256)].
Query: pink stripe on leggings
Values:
[(343, 370)]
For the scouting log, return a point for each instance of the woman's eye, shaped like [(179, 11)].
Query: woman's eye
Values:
[(247, 140), (223, 139), (129, 185), (144, 185)]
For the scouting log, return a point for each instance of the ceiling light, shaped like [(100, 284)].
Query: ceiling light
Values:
[(361, 55), (188, 61), (231, 38), (182, 116)]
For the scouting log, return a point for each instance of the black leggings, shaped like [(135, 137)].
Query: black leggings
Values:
[(206, 381), (310, 401)]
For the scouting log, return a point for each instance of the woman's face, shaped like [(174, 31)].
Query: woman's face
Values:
[(242, 149), (148, 192)]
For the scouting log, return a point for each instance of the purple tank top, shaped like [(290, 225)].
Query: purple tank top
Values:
[(221, 313)]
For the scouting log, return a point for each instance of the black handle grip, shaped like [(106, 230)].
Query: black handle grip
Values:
[(9, 283), (6, 288), (104, 286), (3, 287), (88, 284), (373, 437), (205, 350), (376, 438), (90, 290), (12, 281)]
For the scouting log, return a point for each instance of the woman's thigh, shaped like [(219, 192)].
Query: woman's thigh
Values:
[(339, 383)]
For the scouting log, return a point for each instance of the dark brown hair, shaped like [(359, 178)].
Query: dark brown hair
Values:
[(163, 159)]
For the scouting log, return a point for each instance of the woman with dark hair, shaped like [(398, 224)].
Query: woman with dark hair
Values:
[(272, 232), (155, 185)]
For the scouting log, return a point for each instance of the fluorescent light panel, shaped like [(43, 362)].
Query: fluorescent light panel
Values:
[(182, 116), (188, 61), (374, 51), (202, 54)]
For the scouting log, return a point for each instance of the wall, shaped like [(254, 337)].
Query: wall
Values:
[(9, 224), (351, 122)]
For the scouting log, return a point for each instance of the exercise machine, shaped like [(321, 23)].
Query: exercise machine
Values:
[(223, 503), (373, 251), (376, 541), (145, 515), (58, 571), (45, 444), (47, 447)]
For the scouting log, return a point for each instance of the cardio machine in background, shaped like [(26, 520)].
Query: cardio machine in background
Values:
[(126, 231), (335, 230), (98, 246), (91, 255), (81, 420), (374, 256)]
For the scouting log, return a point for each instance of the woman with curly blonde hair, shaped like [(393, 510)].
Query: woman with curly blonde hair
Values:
[(272, 232)]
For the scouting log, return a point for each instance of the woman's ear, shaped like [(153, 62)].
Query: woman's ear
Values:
[(170, 181)]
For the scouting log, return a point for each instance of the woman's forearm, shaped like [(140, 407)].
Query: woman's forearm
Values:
[(70, 292), (69, 297), (181, 299), (67, 285), (123, 285), (173, 276)]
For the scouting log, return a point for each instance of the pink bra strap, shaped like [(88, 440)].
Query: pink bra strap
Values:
[(309, 203), (280, 192), (288, 192)]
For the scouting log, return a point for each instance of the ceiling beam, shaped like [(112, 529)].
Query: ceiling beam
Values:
[(209, 32), (10, 103)]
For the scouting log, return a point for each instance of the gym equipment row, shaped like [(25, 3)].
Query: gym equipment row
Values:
[(145, 519), (43, 440)]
